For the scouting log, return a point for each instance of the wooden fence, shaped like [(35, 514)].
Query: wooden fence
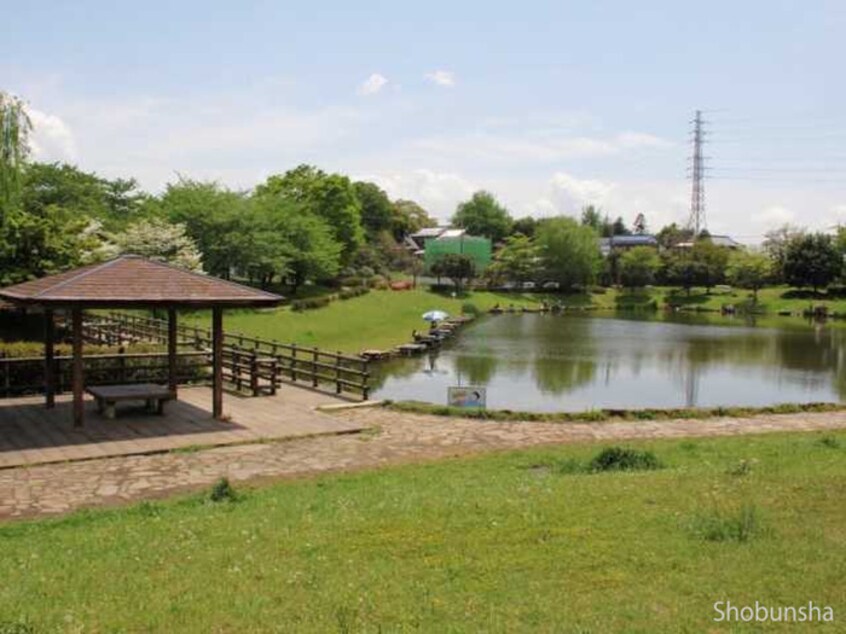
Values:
[(258, 365), (25, 375)]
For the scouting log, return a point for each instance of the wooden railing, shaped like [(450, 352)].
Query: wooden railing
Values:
[(258, 365), (25, 375)]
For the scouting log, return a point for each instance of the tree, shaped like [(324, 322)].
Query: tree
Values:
[(160, 240), (330, 197), (214, 217), (812, 260), (776, 243), (592, 217), (671, 235), (50, 226), (14, 148), (305, 245), (457, 267), (619, 228), (408, 217), (569, 251), (684, 270), (711, 260), (525, 226), (483, 216), (517, 261), (376, 207), (750, 270), (638, 267)]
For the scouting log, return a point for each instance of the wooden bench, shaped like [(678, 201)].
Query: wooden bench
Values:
[(108, 396)]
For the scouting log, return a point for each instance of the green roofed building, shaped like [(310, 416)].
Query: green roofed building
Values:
[(458, 242)]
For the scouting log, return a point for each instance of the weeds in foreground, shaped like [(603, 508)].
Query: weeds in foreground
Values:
[(16, 627), (830, 442), (735, 525), (624, 459), (742, 468), (609, 459), (223, 491)]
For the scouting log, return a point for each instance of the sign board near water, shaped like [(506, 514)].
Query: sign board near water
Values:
[(467, 396)]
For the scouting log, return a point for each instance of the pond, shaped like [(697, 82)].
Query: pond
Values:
[(549, 363)]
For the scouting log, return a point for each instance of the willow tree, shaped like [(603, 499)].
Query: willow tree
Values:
[(14, 147)]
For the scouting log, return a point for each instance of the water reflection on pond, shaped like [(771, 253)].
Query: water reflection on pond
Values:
[(554, 363)]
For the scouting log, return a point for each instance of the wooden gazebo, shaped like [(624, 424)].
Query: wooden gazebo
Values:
[(131, 281)]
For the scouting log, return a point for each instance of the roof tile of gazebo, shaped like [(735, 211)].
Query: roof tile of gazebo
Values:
[(130, 280)]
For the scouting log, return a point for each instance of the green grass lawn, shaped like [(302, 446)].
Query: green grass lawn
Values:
[(380, 319), (501, 543)]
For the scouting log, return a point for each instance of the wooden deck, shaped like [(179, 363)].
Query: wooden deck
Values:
[(31, 434)]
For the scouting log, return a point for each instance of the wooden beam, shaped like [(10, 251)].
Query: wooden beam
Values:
[(217, 362), (171, 350), (49, 362), (78, 378)]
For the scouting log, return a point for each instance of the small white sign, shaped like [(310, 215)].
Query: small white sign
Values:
[(469, 396)]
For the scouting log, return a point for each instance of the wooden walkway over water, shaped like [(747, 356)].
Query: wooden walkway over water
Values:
[(31, 434)]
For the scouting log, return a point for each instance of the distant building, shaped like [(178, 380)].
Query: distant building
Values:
[(624, 243), (720, 241), (457, 241), (417, 241)]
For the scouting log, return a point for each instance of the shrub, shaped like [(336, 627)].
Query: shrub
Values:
[(356, 291), (469, 308), (829, 441), (223, 491), (622, 459), (310, 304), (740, 525)]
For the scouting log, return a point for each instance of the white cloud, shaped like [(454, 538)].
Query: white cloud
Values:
[(774, 216), (441, 78), (52, 139), (437, 192), (372, 84), (567, 194), (538, 147)]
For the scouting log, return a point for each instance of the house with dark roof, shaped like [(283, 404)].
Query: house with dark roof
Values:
[(624, 243)]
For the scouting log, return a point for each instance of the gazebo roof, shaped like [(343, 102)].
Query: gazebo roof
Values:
[(131, 280)]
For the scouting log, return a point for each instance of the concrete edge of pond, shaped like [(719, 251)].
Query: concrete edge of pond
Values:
[(336, 407)]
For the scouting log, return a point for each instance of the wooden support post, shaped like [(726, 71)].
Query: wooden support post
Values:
[(338, 387), (78, 378), (49, 363), (217, 362), (171, 350)]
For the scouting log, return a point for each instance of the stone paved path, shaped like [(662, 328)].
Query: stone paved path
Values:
[(59, 488)]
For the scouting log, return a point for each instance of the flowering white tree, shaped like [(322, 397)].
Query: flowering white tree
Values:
[(160, 240)]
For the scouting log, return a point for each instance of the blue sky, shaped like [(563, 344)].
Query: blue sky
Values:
[(548, 105)]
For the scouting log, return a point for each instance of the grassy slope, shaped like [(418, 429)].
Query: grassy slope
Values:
[(483, 544), (380, 319)]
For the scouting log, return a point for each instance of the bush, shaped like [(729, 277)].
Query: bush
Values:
[(732, 526), (310, 303), (356, 291), (379, 282), (622, 459), (223, 491), (829, 441), (469, 308)]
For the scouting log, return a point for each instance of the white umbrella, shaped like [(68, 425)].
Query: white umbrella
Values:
[(435, 315)]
